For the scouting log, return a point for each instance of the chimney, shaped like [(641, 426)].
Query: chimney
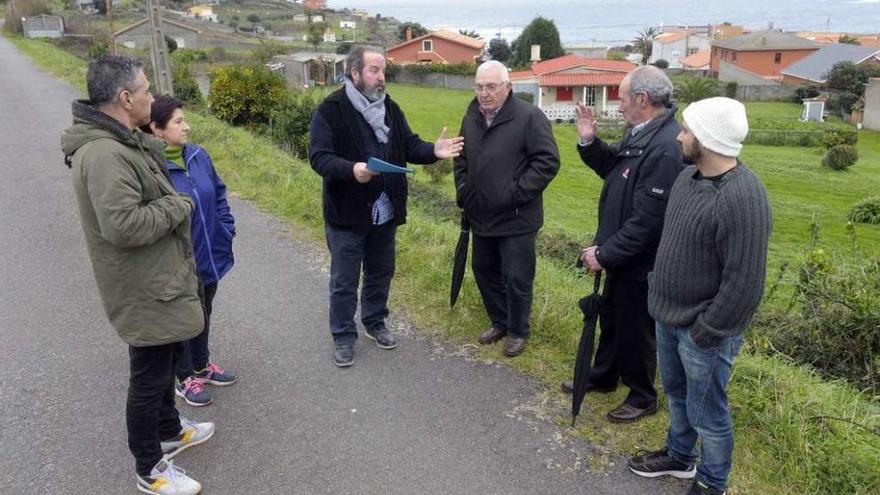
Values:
[(536, 53), (408, 33)]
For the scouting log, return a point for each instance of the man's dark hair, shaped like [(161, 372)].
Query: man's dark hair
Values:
[(161, 111), (355, 59), (110, 74)]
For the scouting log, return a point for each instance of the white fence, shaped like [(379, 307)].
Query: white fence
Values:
[(567, 112)]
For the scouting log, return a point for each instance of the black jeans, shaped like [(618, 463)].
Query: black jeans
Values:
[(504, 268), (349, 252), (194, 355), (627, 343), (150, 413)]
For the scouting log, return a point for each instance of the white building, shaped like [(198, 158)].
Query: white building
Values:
[(676, 45)]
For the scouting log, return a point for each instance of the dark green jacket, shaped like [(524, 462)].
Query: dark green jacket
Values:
[(136, 228)]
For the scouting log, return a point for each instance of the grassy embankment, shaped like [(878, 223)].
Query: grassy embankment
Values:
[(781, 446)]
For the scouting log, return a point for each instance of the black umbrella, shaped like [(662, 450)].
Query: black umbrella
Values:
[(590, 306), (460, 260)]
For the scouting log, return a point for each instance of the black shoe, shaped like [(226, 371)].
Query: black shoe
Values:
[(567, 387), (514, 346), (700, 488), (626, 413), (660, 463), (382, 336), (343, 355), (492, 335)]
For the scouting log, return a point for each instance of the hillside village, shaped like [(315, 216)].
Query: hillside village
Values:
[(307, 42)]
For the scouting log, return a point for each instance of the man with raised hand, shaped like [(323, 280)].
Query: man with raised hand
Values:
[(638, 173)]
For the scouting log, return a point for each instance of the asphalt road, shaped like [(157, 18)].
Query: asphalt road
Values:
[(422, 419)]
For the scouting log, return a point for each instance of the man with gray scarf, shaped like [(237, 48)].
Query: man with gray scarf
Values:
[(362, 208)]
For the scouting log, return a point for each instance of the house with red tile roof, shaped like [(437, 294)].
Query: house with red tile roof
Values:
[(559, 83), (438, 47)]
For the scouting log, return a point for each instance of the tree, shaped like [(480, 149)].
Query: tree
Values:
[(254, 19), (849, 40), (644, 43), (417, 30), (540, 32), (316, 34), (245, 94), (469, 32), (234, 22), (851, 78), (499, 50)]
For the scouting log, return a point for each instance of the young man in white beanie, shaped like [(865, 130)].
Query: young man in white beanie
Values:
[(708, 280)]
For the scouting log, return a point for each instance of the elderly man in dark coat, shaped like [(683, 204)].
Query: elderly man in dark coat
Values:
[(638, 173), (508, 160)]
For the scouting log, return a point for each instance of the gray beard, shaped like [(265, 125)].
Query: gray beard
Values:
[(371, 94)]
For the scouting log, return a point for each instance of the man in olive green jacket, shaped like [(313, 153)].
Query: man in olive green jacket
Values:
[(137, 233)]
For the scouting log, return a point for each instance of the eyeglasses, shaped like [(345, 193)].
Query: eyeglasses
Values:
[(489, 88)]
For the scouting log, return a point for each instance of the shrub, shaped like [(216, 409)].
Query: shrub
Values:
[(245, 94), (730, 89), (185, 86), (529, 97), (804, 92), (785, 137), (188, 56), (841, 157), (437, 171), (99, 47), (839, 135), (866, 211), (291, 120), (661, 63), (842, 102), (264, 53), (836, 328), (696, 88)]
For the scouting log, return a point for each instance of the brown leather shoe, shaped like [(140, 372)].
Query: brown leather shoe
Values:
[(514, 346), (491, 335), (626, 413)]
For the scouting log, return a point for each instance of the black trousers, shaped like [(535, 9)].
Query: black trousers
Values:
[(504, 268), (150, 413), (195, 356), (627, 343)]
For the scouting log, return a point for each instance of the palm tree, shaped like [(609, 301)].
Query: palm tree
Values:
[(644, 43)]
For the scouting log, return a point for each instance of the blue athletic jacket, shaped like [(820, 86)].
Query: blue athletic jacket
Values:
[(213, 226)]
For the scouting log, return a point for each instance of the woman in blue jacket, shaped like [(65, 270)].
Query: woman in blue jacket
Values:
[(213, 228)]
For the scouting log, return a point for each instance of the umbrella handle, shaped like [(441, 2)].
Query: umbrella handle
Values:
[(597, 283)]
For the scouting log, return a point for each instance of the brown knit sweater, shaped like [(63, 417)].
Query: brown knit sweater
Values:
[(712, 259)]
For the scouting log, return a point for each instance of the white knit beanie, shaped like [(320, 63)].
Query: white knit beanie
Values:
[(719, 124)]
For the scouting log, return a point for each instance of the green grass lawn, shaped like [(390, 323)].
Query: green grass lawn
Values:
[(784, 445), (799, 187)]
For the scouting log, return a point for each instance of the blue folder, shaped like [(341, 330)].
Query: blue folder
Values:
[(377, 165)]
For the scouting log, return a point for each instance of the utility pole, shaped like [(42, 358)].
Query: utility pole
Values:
[(109, 6), (159, 50)]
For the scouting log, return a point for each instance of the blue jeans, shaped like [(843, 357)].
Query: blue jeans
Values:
[(695, 382), (351, 251)]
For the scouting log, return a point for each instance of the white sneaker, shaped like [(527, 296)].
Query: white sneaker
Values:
[(168, 479), (191, 434)]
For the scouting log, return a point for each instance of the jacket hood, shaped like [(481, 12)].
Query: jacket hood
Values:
[(90, 124)]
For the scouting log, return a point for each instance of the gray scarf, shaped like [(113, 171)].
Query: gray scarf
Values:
[(373, 111)]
